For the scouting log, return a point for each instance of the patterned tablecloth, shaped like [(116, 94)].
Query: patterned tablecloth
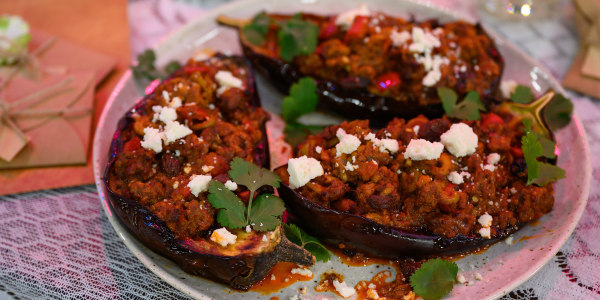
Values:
[(59, 243)]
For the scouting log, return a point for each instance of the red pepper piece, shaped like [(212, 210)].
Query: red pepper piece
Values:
[(194, 69), (387, 80), (132, 145), (359, 28), (491, 118), (328, 30), (516, 151)]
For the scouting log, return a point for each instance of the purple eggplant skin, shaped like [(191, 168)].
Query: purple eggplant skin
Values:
[(349, 97), (359, 233), (239, 271)]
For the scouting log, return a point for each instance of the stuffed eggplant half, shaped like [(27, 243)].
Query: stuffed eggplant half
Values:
[(166, 150), (371, 65), (420, 187)]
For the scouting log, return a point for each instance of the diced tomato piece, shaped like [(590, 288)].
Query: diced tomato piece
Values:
[(359, 28), (491, 118), (328, 30), (387, 80), (132, 145), (516, 151), (194, 69)]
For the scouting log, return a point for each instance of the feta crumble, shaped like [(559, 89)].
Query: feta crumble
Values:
[(455, 177), (226, 80), (421, 149), (493, 158), (348, 143), (416, 129), (318, 149), (460, 140), (350, 167), (223, 237), (346, 18), (399, 38), (485, 232), (167, 115), (174, 131), (507, 87), (509, 240), (461, 279), (384, 145), (207, 169), (485, 220), (199, 184), (230, 185), (152, 139), (342, 288), (302, 272), (302, 170)]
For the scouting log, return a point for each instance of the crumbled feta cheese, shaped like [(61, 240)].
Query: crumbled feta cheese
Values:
[(167, 115), (463, 68), (318, 149), (509, 240), (507, 87), (350, 167), (226, 80), (223, 237), (152, 139), (460, 140), (248, 228), (478, 276), (344, 290), (372, 286), (423, 41), (399, 38), (372, 294), (264, 238), (207, 169), (230, 185), (166, 96), (489, 167), (493, 158), (175, 103), (302, 170), (421, 149), (187, 169), (485, 220), (460, 278), (156, 109), (348, 143), (199, 183), (455, 177), (174, 131), (175, 184), (416, 129), (273, 277), (346, 18), (513, 190), (302, 272), (485, 232)]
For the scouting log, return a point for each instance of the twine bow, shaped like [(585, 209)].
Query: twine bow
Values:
[(21, 108)]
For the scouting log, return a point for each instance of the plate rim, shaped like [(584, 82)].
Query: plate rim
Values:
[(212, 14)]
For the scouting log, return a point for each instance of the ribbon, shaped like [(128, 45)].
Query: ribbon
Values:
[(588, 24), (12, 137)]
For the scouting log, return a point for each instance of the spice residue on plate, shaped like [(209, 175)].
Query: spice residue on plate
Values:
[(282, 275)]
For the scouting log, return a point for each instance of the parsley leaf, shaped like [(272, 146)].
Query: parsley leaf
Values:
[(257, 29), (306, 241), (231, 208), (297, 37), (265, 212), (558, 112), (522, 94), (145, 69), (261, 213), (434, 279), (468, 109), (535, 146), (302, 99), (252, 176)]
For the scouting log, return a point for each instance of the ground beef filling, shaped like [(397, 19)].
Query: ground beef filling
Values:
[(225, 125), (368, 55), (417, 195)]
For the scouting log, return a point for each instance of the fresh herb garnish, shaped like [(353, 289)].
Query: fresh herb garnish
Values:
[(145, 68), (304, 240), (522, 94), (302, 99), (434, 279), (257, 29), (297, 37), (468, 109), (261, 213), (557, 112), (534, 146)]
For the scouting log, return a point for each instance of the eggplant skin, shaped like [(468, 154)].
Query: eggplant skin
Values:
[(359, 233), (240, 271), (355, 102)]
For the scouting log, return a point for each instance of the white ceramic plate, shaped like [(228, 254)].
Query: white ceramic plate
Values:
[(503, 267)]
